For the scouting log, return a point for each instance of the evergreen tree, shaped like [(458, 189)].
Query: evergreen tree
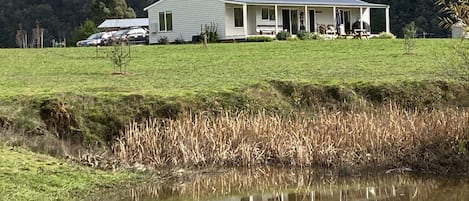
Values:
[(114, 9)]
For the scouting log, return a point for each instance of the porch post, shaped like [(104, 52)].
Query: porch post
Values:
[(388, 26), (334, 15), (276, 19), (361, 18), (306, 20), (245, 19)]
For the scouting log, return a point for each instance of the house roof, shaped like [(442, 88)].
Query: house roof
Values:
[(355, 3), (123, 23), (313, 2)]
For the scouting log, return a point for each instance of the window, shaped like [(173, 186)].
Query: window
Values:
[(272, 14), (169, 21), (238, 17), (162, 22), (268, 14), (166, 21), (265, 13)]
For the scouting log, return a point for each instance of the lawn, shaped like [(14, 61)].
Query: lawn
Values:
[(177, 70), (25, 175)]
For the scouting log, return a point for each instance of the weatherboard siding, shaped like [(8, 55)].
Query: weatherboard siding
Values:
[(188, 17)]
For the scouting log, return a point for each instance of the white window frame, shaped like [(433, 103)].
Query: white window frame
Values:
[(270, 14), (242, 17), (165, 14)]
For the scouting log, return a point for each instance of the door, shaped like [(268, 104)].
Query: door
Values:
[(312, 21), (347, 21), (294, 22), (290, 21), (286, 20)]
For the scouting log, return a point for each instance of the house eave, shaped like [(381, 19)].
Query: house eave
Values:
[(315, 4)]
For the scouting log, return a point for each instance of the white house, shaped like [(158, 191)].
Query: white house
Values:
[(238, 19)]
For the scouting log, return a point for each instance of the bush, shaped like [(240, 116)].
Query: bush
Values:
[(259, 39), (317, 36), (283, 35), (84, 31), (179, 40), (293, 39), (385, 35), (209, 31), (163, 40), (304, 35)]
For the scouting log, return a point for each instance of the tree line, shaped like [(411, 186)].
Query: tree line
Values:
[(62, 18), (425, 14)]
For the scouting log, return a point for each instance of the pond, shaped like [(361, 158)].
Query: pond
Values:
[(265, 184)]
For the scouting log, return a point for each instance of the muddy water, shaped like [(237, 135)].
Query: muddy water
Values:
[(292, 185)]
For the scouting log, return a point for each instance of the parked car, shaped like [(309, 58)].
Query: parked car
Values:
[(93, 40), (132, 35), (137, 35), (119, 36), (106, 38)]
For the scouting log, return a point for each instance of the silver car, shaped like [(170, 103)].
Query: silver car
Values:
[(94, 40)]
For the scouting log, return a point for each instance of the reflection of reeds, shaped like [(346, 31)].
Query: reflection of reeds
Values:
[(242, 183), (386, 137)]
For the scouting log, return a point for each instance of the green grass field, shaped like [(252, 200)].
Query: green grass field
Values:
[(25, 175), (179, 70)]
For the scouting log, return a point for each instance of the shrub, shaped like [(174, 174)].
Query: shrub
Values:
[(410, 32), (385, 35), (120, 57), (292, 39), (283, 35), (259, 39), (210, 31), (317, 36), (163, 40), (86, 29), (304, 35), (179, 40)]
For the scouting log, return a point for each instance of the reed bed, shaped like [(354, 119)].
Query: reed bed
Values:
[(387, 137)]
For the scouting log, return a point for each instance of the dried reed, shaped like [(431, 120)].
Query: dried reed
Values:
[(383, 138)]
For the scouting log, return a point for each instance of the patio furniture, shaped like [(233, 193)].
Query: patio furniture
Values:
[(361, 33)]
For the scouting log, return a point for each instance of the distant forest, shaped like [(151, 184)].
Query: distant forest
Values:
[(61, 18)]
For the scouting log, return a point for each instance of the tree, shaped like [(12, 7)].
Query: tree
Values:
[(139, 5), (86, 29), (114, 9), (454, 11), (409, 37)]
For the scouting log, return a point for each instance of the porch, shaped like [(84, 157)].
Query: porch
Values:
[(245, 19)]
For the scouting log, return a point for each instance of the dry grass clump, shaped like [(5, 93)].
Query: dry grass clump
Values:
[(383, 138)]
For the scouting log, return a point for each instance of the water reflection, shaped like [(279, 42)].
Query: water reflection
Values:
[(292, 185)]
